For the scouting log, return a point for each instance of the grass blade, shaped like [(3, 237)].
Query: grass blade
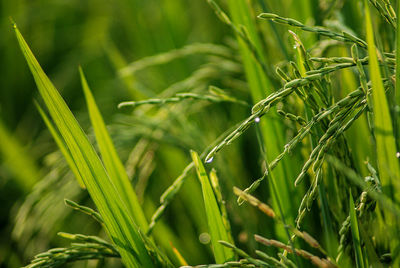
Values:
[(214, 218), (373, 258), (221, 203), (61, 145), (21, 164), (111, 160), (179, 256), (272, 130), (117, 220), (358, 181), (356, 235), (397, 91), (388, 164)]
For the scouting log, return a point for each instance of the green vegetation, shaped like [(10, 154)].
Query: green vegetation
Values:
[(303, 92)]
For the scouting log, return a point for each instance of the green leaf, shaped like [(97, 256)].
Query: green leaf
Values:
[(111, 160), (397, 91), (61, 145), (358, 181), (119, 225), (221, 203), (369, 248), (388, 164), (214, 218), (273, 133), (355, 234), (18, 160)]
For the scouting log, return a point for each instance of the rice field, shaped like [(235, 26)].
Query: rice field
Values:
[(205, 133)]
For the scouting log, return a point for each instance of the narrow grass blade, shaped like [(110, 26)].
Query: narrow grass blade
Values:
[(373, 258), (358, 181), (21, 165), (61, 145), (329, 233), (397, 91), (179, 256), (117, 62), (221, 203), (119, 225), (260, 86), (388, 164), (356, 235), (214, 218), (111, 160)]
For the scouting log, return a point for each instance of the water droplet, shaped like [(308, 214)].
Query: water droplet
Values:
[(204, 238), (294, 47), (209, 160), (398, 154), (257, 119)]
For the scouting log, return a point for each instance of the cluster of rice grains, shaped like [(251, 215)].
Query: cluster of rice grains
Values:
[(325, 120)]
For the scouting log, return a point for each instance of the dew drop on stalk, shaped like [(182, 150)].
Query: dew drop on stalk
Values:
[(398, 154), (294, 47), (204, 238), (209, 160), (257, 119)]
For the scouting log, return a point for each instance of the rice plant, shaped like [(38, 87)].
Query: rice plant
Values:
[(263, 135)]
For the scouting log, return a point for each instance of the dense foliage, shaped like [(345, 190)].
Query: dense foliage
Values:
[(227, 133)]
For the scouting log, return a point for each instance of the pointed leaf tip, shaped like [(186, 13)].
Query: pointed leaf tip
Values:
[(13, 24)]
